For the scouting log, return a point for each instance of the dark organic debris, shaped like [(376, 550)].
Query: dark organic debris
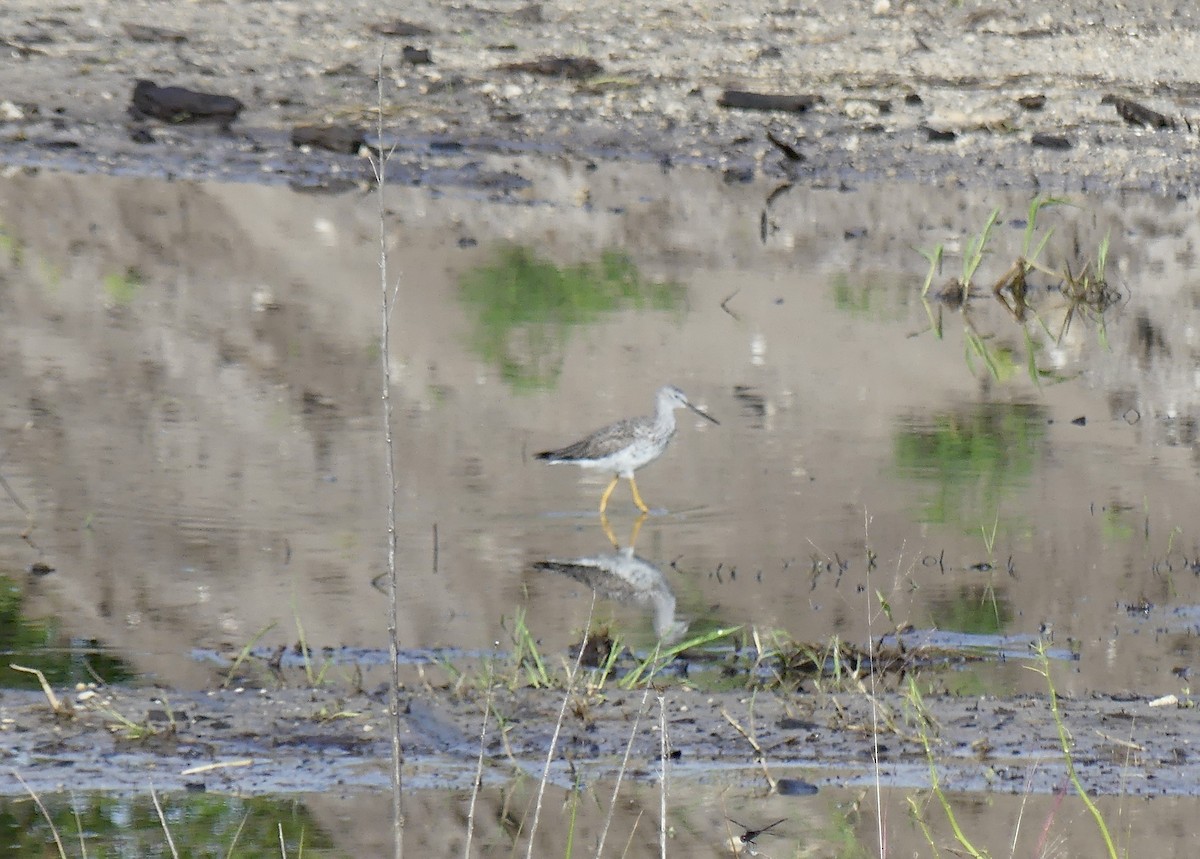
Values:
[(335, 138), (790, 152), (400, 27), (416, 56), (1137, 114), (40, 568), (1032, 102), (937, 135), (346, 69), (1080, 421), (577, 68), (149, 33), (179, 104), (321, 185), (1050, 141), (743, 100), (597, 650)]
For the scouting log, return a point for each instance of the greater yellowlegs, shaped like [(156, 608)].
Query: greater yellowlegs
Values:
[(624, 447)]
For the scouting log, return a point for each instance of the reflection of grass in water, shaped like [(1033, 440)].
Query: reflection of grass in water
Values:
[(201, 825), (35, 644), (970, 460), (10, 246), (1114, 527), (526, 306), (974, 610), (869, 298), (123, 288)]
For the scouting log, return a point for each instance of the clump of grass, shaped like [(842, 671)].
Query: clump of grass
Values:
[(659, 658), (244, 654), (1086, 291), (526, 658)]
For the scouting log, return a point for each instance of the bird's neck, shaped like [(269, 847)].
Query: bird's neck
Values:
[(664, 421)]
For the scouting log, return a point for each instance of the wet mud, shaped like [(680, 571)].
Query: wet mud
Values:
[(294, 741)]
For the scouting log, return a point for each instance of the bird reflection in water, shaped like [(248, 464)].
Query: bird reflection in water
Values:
[(624, 577)]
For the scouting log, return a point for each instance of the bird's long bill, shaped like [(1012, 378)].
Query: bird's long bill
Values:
[(702, 414)]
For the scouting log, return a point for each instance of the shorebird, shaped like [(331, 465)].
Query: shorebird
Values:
[(624, 447)]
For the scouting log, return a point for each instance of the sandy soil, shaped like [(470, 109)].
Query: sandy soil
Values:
[(926, 90)]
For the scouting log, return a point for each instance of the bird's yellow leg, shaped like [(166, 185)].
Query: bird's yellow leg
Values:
[(637, 496), (607, 492)]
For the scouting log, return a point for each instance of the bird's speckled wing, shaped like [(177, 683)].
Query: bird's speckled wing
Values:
[(603, 442)]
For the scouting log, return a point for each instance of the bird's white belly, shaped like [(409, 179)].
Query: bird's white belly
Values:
[(624, 462)]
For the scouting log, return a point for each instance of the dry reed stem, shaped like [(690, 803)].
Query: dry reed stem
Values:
[(487, 712), (55, 704), (562, 713), (379, 165), (162, 819), (37, 800)]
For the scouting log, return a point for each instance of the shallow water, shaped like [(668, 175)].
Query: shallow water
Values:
[(833, 823), (191, 417), (191, 440)]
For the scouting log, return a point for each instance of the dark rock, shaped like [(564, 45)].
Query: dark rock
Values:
[(1032, 102), (1136, 114), (148, 33), (795, 787), (742, 100), (399, 27), (1050, 141), (577, 68), (416, 56), (179, 104), (346, 139)]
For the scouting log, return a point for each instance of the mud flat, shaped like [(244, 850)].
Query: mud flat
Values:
[(284, 741), (1040, 95)]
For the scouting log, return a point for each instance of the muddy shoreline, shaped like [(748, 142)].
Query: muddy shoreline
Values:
[(299, 740), (1037, 96)]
